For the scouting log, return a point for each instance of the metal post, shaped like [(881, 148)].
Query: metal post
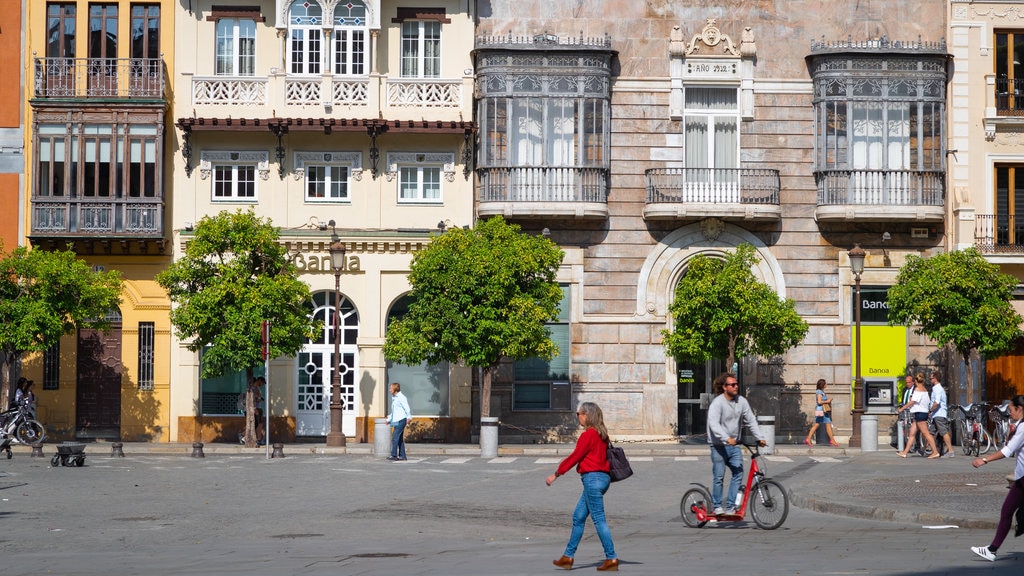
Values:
[(336, 437), (857, 255)]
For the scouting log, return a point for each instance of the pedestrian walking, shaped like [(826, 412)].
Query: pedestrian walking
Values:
[(590, 457), (919, 406), (939, 412), (822, 415), (398, 419), (1015, 496)]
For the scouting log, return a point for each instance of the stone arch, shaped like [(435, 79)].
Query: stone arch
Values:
[(667, 261)]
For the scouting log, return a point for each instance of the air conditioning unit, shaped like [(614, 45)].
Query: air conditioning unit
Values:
[(918, 232)]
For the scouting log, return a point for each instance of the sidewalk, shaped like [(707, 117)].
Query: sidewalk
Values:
[(842, 481)]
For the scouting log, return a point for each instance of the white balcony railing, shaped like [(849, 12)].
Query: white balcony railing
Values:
[(429, 93)]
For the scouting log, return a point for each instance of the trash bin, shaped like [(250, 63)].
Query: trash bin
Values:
[(869, 433), (381, 438), (767, 426)]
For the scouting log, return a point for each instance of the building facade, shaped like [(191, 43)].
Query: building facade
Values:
[(640, 135), (96, 146), (12, 131), (986, 169), (338, 121)]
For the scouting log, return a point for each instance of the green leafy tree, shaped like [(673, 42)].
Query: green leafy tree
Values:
[(234, 275), (44, 295), (478, 296), (957, 299), (721, 310)]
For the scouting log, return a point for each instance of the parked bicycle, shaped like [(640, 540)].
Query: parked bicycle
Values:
[(768, 501), (1002, 426), (906, 422), (18, 425), (974, 439)]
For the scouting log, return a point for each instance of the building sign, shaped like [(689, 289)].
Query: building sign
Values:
[(874, 306), (711, 69), (322, 263)]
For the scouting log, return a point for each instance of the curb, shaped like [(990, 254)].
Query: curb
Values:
[(818, 504)]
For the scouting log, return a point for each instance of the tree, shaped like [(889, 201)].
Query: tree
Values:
[(44, 295), (234, 275), (478, 296), (957, 299), (722, 310)]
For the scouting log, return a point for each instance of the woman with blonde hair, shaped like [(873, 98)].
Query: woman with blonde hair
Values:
[(920, 406), (591, 460)]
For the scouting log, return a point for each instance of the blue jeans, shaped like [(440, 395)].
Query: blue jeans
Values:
[(591, 503), (398, 438), (722, 456)]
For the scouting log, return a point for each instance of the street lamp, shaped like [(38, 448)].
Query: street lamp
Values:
[(856, 256), (337, 249)]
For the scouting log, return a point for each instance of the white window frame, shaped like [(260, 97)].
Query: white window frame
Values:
[(443, 162), (351, 39), (415, 64), (210, 161), (228, 47), (308, 34), (709, 117), (351, 161)]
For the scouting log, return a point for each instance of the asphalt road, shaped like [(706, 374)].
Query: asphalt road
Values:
[(357, 514)]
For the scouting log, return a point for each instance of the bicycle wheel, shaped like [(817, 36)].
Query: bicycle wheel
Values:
[(30, 432), (999, 436), (694, 499), (769, 504), (984, 442), (965, 438)]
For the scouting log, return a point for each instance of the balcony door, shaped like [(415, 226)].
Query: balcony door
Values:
[(1009, 198), (102, 68), (1009, 54), (60, 49), (711, 140), (98, 383)]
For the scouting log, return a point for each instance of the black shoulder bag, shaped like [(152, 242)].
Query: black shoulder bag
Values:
[(620, 469)]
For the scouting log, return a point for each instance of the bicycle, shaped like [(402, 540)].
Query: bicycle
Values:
[(1002, 428), (920, 446), (767, 499), (974, 439)]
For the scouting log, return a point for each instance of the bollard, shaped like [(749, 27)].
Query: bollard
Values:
[(488, 437), (37, 451), (278, 450), (767, 426), (197, 450), (381, 438), (869, 433), (116, 449)]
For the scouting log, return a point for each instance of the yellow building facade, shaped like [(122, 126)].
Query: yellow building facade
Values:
[(96, 102)]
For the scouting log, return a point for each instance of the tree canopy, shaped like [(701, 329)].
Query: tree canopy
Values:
[(44, 295), (957, 299), (234, 275), (478, 296), (721, 310)]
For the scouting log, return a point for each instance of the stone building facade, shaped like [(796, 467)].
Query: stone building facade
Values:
[(639, 135)]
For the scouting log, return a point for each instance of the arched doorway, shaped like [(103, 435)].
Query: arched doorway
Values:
[(315, 364), (98, 380)]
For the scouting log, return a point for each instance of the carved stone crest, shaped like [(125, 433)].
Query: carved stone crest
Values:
[(711, 228), (711, 37)]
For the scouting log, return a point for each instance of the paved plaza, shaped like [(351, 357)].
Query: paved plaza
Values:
[(448, 511)]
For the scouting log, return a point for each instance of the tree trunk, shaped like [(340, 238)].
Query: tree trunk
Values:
[(732, 354), (5, 379), (970, 377), (485, 392)]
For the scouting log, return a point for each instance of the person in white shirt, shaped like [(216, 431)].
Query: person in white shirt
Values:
[(920, 403), (398, 418), (1015, 496), (939, 413)]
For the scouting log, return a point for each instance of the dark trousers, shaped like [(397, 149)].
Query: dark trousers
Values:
[(398, 439)]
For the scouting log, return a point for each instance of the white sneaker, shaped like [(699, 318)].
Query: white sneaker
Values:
[(718, 510), (730, 511), (984, 552)]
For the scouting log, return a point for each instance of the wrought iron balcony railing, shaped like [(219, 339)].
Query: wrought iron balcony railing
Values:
[(712, 186), (131, 217), (999, 233), (880, 187), (1009, 97), (99, 78), (543, 184)]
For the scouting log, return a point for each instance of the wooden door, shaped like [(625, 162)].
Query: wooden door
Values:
[(98, 388), (1004, 376)]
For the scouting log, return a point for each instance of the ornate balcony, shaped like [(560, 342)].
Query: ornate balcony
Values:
[(726, 193), (999, 234), (880, 195), (544, 192), (127, 78), (127, 218)]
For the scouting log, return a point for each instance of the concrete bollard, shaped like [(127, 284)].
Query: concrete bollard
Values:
[(767, 426), (869, 433), (488, 437), (381, 438)]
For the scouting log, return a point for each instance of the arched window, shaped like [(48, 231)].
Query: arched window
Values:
[(426, 386), (348, 52), (305, 34)]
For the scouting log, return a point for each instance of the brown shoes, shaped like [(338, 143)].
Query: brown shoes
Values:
[(609, 566), (563, 562)]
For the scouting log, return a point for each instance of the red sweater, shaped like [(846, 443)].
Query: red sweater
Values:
[(590, 455)]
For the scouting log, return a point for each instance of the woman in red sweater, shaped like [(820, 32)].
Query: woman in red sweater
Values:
[(591, 460)]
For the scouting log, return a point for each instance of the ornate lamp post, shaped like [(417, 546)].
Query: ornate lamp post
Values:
[(337, 249), (856, 256)]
